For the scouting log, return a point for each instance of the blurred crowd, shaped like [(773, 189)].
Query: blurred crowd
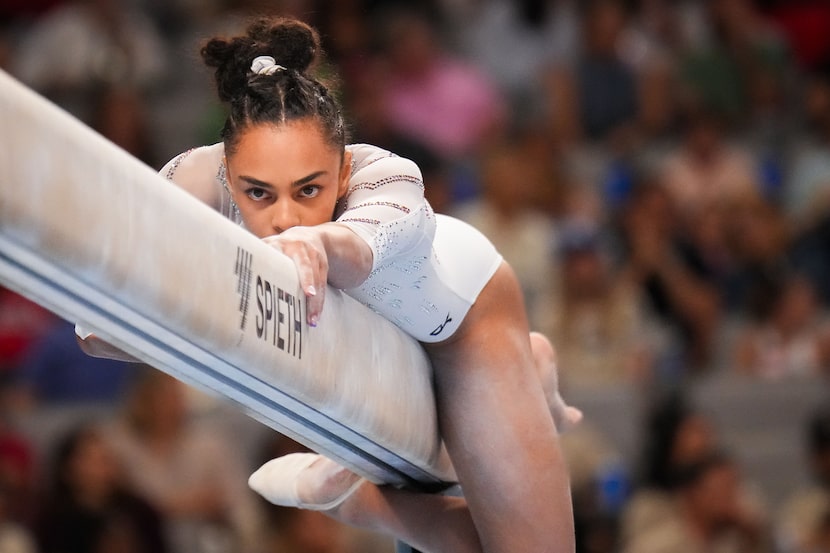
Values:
[(656, 171)]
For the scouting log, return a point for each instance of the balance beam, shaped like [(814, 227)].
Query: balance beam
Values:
[(99, 238)]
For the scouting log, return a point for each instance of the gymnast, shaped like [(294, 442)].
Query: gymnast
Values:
[(355, 217)]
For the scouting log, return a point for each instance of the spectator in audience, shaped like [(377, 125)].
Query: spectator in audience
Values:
[(757, 243), (597, 321), (675, 434), (820, 543), (740, 54), (348, 36), (111, 45), (372, 126), (185, 469), (706, 169), (677, 285), (57, 372), (119, 113), (811, 256), (672, 497), (14, 536), (430, 95), (597, 95), (505, 214), (533, 36), (787, 334), (17, 476), (545, 160), (807, 194), (600, 487), (708, 513), (88, 507), (803, 524)]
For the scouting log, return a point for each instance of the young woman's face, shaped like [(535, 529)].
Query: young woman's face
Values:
[(285, 176), (92, 469)]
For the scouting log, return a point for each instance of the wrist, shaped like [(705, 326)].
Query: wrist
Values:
[(350, 257)]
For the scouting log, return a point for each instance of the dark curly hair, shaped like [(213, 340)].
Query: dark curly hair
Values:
[(285, 95)]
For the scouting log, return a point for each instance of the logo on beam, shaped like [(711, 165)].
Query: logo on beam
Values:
[(243, 282)]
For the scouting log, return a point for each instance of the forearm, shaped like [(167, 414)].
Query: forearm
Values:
[(349, 256)]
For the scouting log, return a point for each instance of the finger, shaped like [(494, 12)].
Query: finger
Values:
[(316, 292), (310, 284), (315, 305)]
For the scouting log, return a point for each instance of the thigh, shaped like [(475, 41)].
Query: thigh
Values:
[(498, 430)]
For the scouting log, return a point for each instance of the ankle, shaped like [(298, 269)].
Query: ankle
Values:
[(327, 485)]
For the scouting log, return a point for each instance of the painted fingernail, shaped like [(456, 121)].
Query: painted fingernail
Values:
[(313, 320), (311, 290)]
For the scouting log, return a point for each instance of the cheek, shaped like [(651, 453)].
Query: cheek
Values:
[(256, 222), (259, 230), (322, 215), (319, 210)]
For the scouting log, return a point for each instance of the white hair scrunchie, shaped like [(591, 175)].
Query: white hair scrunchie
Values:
[(266, 65)]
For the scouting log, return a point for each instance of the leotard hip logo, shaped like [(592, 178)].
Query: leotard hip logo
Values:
[(440, 328)]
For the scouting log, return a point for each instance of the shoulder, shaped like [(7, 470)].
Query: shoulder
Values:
[(197, 171), (375, 162), (204, 158)]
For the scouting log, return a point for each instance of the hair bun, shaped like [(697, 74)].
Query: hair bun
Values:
[(293, 45), (290, 42)]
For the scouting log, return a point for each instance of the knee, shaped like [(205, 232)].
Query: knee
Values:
[(543, 351)]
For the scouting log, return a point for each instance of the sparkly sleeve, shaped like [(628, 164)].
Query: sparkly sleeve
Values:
[(201, 172), (385, 205)]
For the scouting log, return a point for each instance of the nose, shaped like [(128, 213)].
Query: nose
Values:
[(284, 215)]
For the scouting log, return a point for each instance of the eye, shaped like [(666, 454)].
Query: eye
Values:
[(309, 191), (256, 194)]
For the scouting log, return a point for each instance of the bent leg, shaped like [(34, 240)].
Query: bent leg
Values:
[(497, 426), (544, 357), (498, 430), (432, 523)]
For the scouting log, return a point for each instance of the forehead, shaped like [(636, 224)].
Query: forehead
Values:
[(283, 147)]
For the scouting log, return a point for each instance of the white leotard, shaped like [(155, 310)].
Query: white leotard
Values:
[(428, 269)]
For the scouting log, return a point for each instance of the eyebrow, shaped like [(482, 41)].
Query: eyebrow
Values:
[(297, 183)]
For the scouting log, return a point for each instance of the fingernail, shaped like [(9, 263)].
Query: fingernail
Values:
[(311, 290), (313, 320)]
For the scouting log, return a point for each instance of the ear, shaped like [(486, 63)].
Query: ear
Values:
[(345, 174)]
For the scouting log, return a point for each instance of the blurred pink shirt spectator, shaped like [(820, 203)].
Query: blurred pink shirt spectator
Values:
[(443, 102), (448, 109)]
